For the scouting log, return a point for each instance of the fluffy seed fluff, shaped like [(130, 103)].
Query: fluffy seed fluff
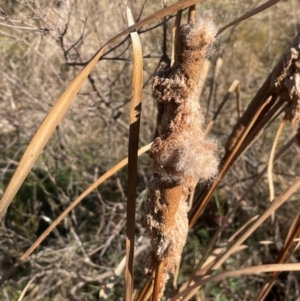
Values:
[(181, 155)]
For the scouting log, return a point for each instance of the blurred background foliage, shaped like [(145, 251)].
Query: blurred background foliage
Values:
[(44, 44)]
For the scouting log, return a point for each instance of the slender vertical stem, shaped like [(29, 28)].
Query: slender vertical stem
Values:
[(271, 163), (157, 281), (147, 288), (134, 130), (191, 17), (175, 31), (165, 32)]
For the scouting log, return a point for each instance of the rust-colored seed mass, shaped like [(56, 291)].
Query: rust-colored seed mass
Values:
[(181, 155)]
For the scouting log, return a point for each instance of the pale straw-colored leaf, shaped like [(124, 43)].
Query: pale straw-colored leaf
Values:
[(271, 163), (24, 291), (133, 144)]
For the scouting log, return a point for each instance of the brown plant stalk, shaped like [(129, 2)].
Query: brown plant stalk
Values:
[(181, 155)]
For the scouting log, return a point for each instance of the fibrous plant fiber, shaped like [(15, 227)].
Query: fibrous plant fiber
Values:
[(181, 155)]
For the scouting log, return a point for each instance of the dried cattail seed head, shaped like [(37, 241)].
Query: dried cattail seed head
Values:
[(181, 155)]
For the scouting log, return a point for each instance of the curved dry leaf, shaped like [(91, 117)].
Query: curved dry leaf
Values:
[(44, 133), (133, 144), (237, 273), (271, 163), (249, 14)]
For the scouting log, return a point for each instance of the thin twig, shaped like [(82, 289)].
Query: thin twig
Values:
[(191, 15)]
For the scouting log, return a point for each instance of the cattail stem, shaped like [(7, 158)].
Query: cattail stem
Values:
[(191, 17), (146, 291), (157, 281)]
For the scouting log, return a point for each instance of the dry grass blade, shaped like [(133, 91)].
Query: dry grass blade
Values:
[(260, 127), (146, 290), (134, 130), (208, 261), (242, 229), (237, 273), (271, 162), (274, 206), (156, 16), (229, 161), (177, 270), (294, 228), (103, 178), (26, 289), (283, 257), (249, 14), (230, 214), (165, 27)]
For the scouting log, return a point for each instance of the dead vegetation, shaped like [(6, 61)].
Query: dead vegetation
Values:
[(240, 245)]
